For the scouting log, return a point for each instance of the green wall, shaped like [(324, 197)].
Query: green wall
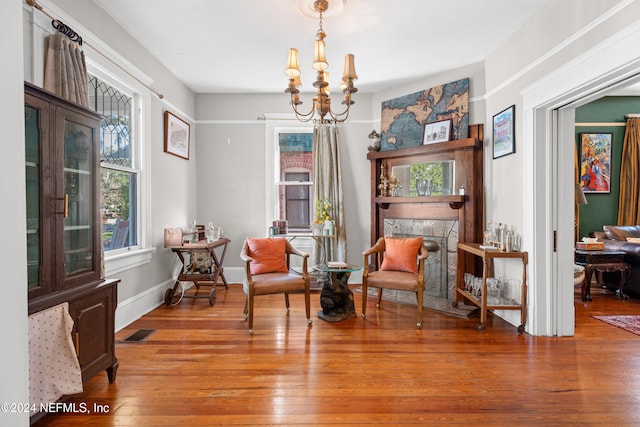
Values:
[(602, 209)]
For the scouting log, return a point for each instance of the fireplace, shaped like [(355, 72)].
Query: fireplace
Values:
[(451, 213)]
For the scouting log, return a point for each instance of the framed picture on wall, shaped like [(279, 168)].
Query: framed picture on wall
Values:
[(595, 162), (176, 136), (436, 132), (504, 132)]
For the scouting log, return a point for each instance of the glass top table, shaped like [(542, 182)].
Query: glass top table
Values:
[(336, 298), (337, 268)]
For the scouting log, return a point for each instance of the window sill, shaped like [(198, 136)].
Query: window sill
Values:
[(123, 261)]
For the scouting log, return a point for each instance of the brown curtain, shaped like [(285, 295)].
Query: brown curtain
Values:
[(628, 210), (65, 71)]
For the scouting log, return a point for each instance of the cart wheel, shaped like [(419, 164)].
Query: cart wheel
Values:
[(454, 304), (481, 327), (520, 329), (171, 297), (168, 296)]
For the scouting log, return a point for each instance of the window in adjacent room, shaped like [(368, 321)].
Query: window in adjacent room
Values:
[(119, 167)]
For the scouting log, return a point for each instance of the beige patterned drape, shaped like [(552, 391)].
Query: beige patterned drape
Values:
[(628, 209), (327, 184), (65, 70)]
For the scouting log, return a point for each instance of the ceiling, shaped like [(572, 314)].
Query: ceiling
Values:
[(240, 46)]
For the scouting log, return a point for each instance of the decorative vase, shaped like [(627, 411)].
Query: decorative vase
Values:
[(329, 228), (423, 187)]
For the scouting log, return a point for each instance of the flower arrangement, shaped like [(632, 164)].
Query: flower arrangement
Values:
[(324, 210)]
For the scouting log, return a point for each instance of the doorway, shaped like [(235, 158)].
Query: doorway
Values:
[(549, 117)]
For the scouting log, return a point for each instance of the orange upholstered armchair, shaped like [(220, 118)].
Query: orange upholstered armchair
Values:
[(267, 272), (400, 266)]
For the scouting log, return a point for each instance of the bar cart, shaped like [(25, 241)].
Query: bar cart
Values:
[(487, 255), (200, 265)]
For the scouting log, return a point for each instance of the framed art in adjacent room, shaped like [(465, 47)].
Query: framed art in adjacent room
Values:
[(595, 162), (439, 131), (504, 136), (176, 136)]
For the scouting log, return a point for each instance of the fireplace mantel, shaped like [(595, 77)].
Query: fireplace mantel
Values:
[(468, 209)]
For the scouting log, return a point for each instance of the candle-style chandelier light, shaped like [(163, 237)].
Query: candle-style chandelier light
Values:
[(321, 100)]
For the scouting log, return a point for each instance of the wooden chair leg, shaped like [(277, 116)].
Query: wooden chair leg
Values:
[(286, 301), (364, 299), (307, 304), (250, 309), (419, 295), (379, 300)]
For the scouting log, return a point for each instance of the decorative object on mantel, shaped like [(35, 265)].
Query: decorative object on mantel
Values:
[(322, 100), (375, 138), (403, 118), (504, 137), (384, 183), (435, 132)]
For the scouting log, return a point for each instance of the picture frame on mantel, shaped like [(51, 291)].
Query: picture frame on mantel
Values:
[(435, 132), (504, 136), (176, 136)]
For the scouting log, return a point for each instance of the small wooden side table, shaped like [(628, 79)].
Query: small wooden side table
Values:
[(603, 261)]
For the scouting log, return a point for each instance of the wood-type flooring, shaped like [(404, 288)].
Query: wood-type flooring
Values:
[(201, 368)]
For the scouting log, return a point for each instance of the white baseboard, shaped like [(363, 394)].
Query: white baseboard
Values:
[(137, 306)]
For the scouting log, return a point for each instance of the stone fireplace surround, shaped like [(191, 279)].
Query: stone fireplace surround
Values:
[(441, 237)]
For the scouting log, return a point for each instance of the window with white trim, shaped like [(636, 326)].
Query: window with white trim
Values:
[(119, 165), (295, 185)]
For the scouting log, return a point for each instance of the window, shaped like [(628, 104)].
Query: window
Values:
[(119, 169), (295, 186)]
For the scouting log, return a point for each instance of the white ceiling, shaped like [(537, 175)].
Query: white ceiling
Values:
[(240, 46)]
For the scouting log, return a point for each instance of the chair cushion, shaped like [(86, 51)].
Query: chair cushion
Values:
[(275, 283), (268, 254), (393, 280), (401, 254)]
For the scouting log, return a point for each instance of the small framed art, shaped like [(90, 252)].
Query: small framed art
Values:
[(595, 162), (436, 132), (504, 137), (176, 136)]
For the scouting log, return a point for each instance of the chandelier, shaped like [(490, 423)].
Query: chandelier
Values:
[(321, 100)]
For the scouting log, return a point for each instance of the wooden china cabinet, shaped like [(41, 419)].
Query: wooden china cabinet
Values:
[(64, 253)]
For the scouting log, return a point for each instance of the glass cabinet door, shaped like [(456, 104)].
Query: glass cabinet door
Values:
[(79, 198), (32, 173)]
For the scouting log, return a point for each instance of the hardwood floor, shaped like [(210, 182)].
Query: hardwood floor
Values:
[(201, 368)]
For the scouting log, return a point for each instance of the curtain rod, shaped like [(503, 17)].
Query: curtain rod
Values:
[(66, 30)]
